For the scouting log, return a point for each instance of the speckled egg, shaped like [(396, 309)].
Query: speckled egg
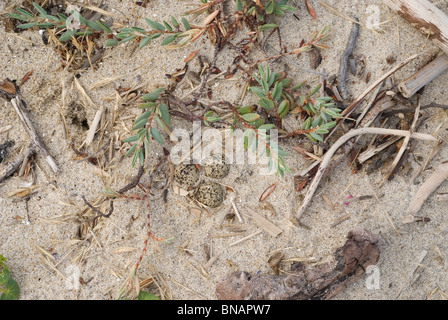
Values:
[(186, 175), (210, 194), (216, 170)]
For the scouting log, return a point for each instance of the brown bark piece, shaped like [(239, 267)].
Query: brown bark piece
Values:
[(361, 250)]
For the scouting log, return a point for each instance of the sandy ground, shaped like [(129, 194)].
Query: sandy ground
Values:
[(49, 220)]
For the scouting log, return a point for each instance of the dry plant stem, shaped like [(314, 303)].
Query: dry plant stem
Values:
[(425, 17), (36, 141), (94, 126), (355, 103), (293, 63), (207, 75), (425, 75), (427, 188), (403, 147), (327, 158), (14, 166), (343, 67)]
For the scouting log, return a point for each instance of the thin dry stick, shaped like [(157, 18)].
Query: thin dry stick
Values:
[(428, 187), (329, 154), (94, 126), (355, 103), (36, 140), (343, 67), (403, 147)]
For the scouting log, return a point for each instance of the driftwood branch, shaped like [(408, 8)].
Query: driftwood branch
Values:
[(355, 103), (428, 187), (424, 76), (361, 250), (343, 67), (425, 17), (433, 23), (10, 92), (329, 154)]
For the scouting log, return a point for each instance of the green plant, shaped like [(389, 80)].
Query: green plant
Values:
[(78, 26), (143, 126), (277, 99), (9, 289), (143, 295)]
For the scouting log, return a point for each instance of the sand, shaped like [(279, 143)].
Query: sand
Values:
[(38, 235)]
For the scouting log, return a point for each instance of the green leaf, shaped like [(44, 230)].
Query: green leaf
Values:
[(259, 122), (84, 33), (265, 85), (147, 105), (164, 113), (141, 158), (130, 151), (11, 290), (266, 103), (25, 13), (266, 127), (316, 136), (174, 22), (27, 25), (185, 23), (111, 42), (286, 82), (4, 275), (122, 34), (128, 39), (282, 108), (267, 26), (132, 138), (140, 124), (67, 35), (277, 91), (238, 5), (259, 92), (298, 86), (270, 7), (18, 16), (40, 9), (307, 124), (93, 25), (168, 40), (153, 95), (155, 25), (271, 78), (104, 27), (313, 92), (134, 158), (156, 135), (167, 26), (62, 17), (250, 117), (321, 131), (46, 25), (144, 42), (246, 109), (144, 116), (143, 295)]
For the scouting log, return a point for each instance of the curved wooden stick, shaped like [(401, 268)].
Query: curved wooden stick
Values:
[(329, 154), (427, 188)]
